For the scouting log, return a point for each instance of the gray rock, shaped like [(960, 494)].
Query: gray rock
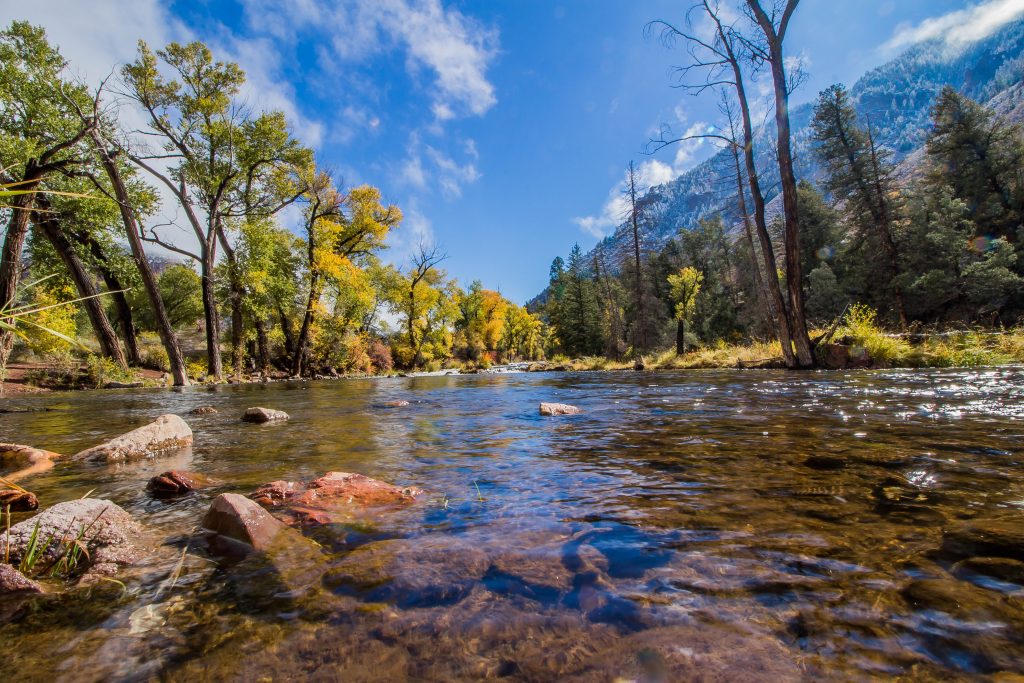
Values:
[(168, 432), (240, 519), (110, 533), (13, 581), (260, 415), (122, 385), (558, 409)]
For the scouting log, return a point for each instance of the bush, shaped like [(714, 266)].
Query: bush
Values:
[(100, 370), (380, 356), (862, 329), (153, 353)]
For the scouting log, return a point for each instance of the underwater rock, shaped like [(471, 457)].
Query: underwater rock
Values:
[(175, 483), (167, 432), (13, 581), (997, 536), (236, 517), (260, 415), (28, 459), (311, 502), (394, 404), (18, 500), (203, 410), (106, 531), (558, 409)]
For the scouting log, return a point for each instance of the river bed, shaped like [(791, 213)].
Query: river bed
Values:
[(709, 525)]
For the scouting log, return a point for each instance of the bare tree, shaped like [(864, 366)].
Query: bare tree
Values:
[(774, 24), (632, 192), (717, 62)]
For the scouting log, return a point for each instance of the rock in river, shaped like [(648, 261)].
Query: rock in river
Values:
[(13, 581), (106, 530), (175, 483), (203, 410), (18, 500), (260, 415), (168, 432), (558, 409), (28, 459), (240, 519), (996, 536), (311, 502)]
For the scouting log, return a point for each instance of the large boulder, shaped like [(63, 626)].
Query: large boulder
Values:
[(314, 501), (552, 409), (260, 415), (237, 518), (26, 459), (108, 533), (166, 433)]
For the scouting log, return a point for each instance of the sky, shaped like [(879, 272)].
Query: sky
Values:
[(501, 129)]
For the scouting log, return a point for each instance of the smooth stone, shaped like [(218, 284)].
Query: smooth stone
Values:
[(29, 459), (174, 483), (558, 409), (167, 432), (236, 517), (260, 415)]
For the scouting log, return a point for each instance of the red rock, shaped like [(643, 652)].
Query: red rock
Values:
[(18, 501), (175, 482), (240, 519), (558, 409), (394, 404), (312, 502)]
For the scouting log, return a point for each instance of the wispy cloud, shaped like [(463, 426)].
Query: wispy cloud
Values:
[(425, 164), (958, 27), (454, 49)]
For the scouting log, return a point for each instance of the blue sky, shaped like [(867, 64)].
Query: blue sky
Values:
[(501, 128)]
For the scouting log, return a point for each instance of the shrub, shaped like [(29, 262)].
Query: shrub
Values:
[(380, 356), (861, 327), (100, 370)]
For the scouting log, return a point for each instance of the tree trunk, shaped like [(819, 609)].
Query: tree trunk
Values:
[(262, 346), (762, 294), (214, 365), (640, 339), (125, 319), (680, 338), (131, 229), (794, 279), (236, 295), (286, 330), (10, 266), (299, 358), (50, 225)]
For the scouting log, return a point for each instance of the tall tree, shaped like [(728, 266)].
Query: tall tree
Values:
[(773, 25), (632, 193), (685, 286), (859, 174)]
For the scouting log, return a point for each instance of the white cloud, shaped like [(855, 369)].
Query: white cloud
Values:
[(958, 27), (425, 164), (456, 49), (616, 207), (416, 229)]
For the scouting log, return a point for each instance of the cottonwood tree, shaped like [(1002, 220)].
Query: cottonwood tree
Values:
[(41, 136), (419, 297), (685, 286)]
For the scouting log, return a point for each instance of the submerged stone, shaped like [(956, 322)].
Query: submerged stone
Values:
[(312, 502), (28, 459), (997, 536), (260, 415), (175, 482), (167, 432)]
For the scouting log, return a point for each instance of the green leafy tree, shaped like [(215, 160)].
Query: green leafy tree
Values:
[(685, 287)]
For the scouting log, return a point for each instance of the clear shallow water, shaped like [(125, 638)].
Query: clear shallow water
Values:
[(701, 525)]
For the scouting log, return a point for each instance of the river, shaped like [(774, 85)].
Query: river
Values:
[(714, 525)]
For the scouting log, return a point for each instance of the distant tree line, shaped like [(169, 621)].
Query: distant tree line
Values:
[(936, 241), (81, 211)]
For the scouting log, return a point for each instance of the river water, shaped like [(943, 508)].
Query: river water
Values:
[(714, 525)]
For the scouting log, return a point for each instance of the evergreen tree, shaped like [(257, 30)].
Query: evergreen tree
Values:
[(577, 317)]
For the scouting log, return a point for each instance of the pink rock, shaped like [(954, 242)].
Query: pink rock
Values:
[(558, 409), (312, 502), (13, 581)]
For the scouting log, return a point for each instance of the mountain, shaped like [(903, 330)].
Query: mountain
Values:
[(896, 97)]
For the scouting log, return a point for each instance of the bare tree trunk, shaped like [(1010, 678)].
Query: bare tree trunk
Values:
[(640, 339), (794, 280), (126, 321), (214, 364), (131, 229), (765, 299), (236, 294), (286, 330), (50, 225), (885, 225), (262, 346)]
